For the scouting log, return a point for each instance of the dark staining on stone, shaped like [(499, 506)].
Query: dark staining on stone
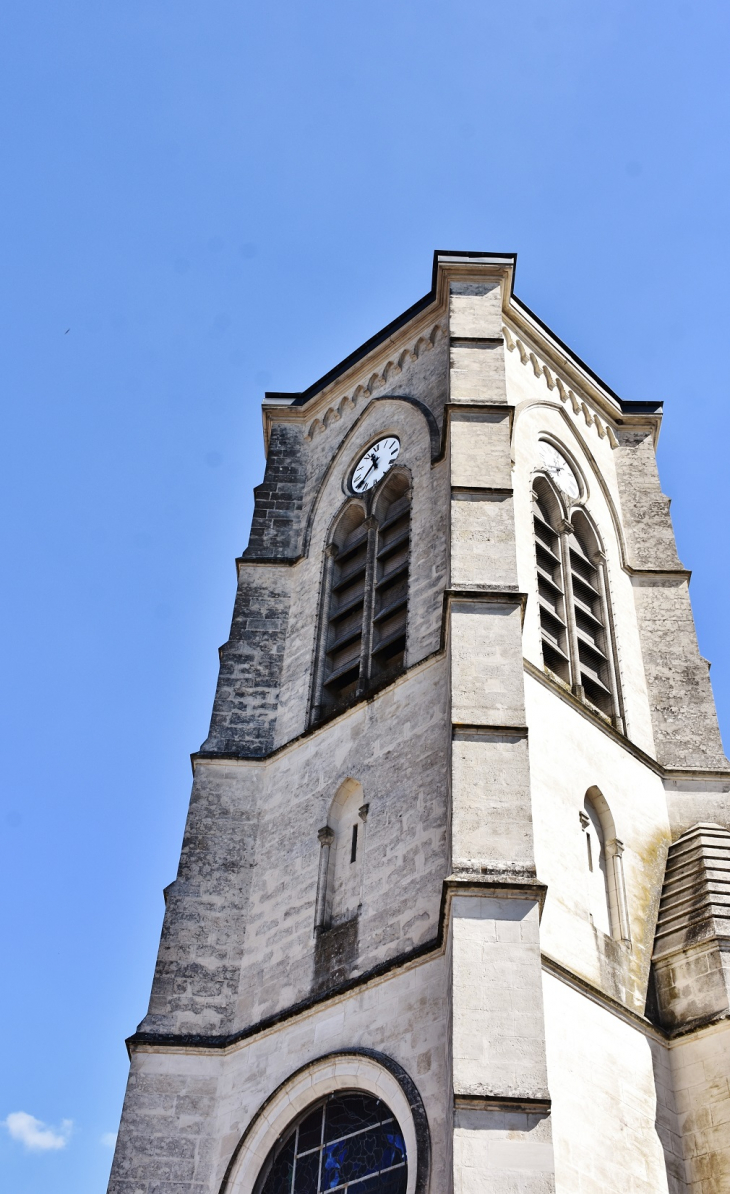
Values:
[(247, 696), (198, 967), (683, 714), (335, 955), (647, 521), (276, 523)]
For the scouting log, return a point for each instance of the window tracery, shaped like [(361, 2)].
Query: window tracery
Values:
[(349, 1142)]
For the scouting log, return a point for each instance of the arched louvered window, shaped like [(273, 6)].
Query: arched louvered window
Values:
[(575, 628), (365, 598), (344, 640), (390, 605), (546, 516), (591, 631)]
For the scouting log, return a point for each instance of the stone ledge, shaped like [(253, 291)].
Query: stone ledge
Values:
[(535, 1105)]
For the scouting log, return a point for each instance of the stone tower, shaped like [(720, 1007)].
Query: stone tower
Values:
[(452, 910)]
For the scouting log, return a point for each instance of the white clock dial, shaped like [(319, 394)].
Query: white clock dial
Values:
[(557, 467), (375, 463)]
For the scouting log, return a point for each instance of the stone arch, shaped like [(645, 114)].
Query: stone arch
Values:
[(596, 862), (362, 622), (347, 819), (606, 889), (348, 1069), (346, 522), (351, 434), (595, 471)]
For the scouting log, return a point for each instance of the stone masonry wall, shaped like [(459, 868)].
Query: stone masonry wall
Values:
[(614, 1122), (700, 1069), (266, 663), (683, 710), (185, 1113), (246, 702), (276, 523), (238, 943)]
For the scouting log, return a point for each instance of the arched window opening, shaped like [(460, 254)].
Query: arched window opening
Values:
[(350, 1141), (603, 860), (365, 598), (347, 606), (593, 646), (342, 851), (597, 880), (572, 591), (348, 822), (390, 607), (546, 518)]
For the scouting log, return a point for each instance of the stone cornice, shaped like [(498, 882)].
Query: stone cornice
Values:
[(539, 348), (378, 380), (523, 887), (223, 759)]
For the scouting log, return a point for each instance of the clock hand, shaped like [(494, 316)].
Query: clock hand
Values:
[(365, 475), (374, 464)]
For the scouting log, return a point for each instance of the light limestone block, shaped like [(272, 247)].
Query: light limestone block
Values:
[(606, 1111), (491, 814), (498, 1045), (475, 309), (477, 373), (480, 449), (486, 663), (483, 545)]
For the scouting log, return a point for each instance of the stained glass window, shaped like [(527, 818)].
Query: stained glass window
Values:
[(350, 1142)]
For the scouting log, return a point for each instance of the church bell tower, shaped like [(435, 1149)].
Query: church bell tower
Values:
[(452, 913)]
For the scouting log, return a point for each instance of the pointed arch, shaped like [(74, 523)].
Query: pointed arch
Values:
[(363, 621), (436, 439), (347, 819), (605, 883), (342, 849), (392, 513), (576, 623), (547, 517), (596, 673), (594, 472)]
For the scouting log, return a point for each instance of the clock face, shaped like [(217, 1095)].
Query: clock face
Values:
[(375, 463), (557, 467)]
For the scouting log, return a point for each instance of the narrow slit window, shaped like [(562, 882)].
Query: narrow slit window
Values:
[(597, 872)]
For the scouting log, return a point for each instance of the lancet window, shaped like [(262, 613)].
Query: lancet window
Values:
[(365, 598), (575, 626), (341, 858), (604, 870)]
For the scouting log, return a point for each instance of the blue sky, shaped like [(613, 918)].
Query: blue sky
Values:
[(203, 201)]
